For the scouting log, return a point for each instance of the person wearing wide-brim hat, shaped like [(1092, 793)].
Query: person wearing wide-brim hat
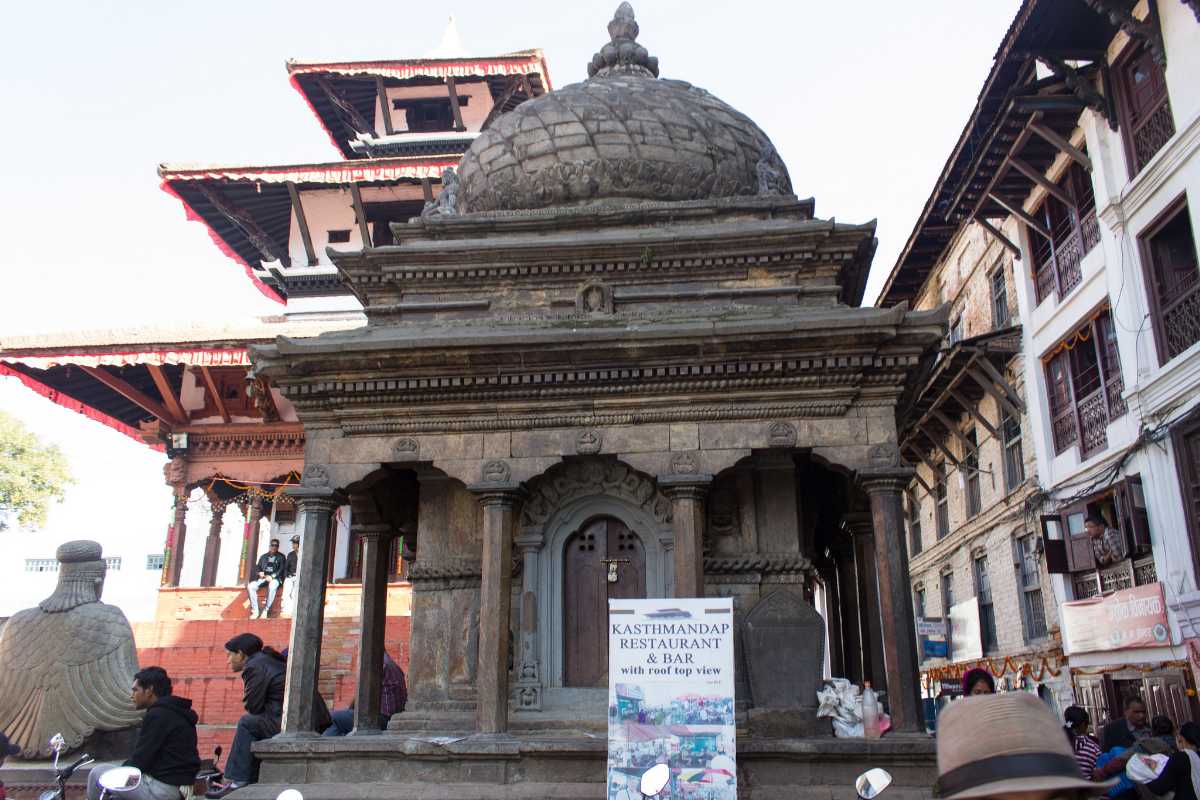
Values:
[(1003, 746)]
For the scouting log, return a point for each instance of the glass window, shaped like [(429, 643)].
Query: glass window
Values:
[(943, 504), (1029, 583), (1000, 315), (914, 524), (1014, 457), (971, 466), (947, 593), (987, 612)]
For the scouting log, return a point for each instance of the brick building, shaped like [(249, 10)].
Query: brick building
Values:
[(1061, 235)]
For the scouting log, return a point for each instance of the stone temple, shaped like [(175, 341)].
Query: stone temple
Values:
[(617, 358)]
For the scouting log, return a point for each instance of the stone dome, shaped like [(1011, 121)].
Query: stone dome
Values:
[(622, 135)]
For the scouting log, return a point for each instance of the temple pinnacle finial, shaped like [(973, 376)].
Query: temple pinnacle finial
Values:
[(623, 55)]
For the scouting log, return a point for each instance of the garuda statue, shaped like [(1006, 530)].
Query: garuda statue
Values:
[(67, 665)]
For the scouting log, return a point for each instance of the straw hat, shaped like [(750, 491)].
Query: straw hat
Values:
[(994, 743)]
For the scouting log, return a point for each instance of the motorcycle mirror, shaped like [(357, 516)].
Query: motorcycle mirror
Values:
[(655, 779), (57, 742), (121, 779), (872, 783), (289, 794)]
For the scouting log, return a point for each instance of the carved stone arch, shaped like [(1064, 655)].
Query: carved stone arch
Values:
[(563, 500), (583, 477)]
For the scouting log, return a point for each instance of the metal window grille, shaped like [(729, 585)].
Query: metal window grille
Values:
[(1144, 572), (1085, 585), (1116, 578)]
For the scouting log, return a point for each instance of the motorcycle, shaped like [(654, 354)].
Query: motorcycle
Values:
[(62, 774), (872, 783)]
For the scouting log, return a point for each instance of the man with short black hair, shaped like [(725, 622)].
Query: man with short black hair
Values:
[(262, 671), (1127, 730), (166, 745), (270, 569), (1108, 543)]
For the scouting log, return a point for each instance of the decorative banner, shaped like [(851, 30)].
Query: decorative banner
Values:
[(964, 630), (931, 627), (670, 696), (1134, 617)]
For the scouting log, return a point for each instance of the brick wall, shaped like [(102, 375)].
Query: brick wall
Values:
[(191, 627)]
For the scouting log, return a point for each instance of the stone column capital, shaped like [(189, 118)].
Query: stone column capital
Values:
[(889, 480), (372, 530), (505, 495), (529, 542), (315, 498), (685, 487)]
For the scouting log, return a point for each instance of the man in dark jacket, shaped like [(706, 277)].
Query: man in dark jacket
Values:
[(166, 745), (262, 671), (269, 570), (1127, 730)]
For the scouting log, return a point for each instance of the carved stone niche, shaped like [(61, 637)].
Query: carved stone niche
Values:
[(594, 297), (783, 640)]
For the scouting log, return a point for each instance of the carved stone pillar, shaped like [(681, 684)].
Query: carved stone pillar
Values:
[(687, 494), (315, 503), (212, 546), (176, 536), (833, 618), (852, 641), (529, 670), (874, 669), (376, 540), (250, 540), (885, 488), (499, 501)]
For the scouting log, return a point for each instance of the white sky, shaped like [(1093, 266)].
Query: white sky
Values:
[(863, 100)]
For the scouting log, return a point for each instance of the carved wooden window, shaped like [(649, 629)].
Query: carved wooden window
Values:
[(1085, 387), (1014, 456), (1000, 313), (1186, 438), (1173, 272), (943, 503), (971, 467), (914, 524), (987, 612), (1146, 119), (1029, 586), (428, 114), (339, 236), (1074, 232)]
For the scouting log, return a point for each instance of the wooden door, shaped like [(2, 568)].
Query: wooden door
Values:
[(1165, 694), (600, 545)]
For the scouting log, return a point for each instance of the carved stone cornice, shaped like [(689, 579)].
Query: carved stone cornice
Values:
[(701, 414), (565, 482), (778, 564), (449, 573)]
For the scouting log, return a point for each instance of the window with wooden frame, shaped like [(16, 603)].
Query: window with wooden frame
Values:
[(919, 601), (1123, 508), (1173, 274), (914, 524), (428, 114), (987, 611), (1069, 213), (1000, 313), (942, 500), (971, 467), (1029, 587), (1014, 456), (1143, 105), (1084, 386), (1186, 438), (947, 586)]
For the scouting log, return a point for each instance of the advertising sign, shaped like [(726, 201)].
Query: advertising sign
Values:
[(670, 696), (936, 649), (964, 630), (931, 627), (1134, 617)]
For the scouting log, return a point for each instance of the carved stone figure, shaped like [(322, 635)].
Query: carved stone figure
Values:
[(66, 665), (588, 441), (446, 204)]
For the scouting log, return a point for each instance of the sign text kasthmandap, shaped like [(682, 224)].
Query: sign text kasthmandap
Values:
[(670, 696)]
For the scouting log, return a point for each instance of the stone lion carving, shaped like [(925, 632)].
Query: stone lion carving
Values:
[(565, 482), (66, 665)]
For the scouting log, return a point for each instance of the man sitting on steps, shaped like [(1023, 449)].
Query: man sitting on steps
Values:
[(270, 569)]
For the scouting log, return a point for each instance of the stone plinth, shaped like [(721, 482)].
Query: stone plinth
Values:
[(567, 765)]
